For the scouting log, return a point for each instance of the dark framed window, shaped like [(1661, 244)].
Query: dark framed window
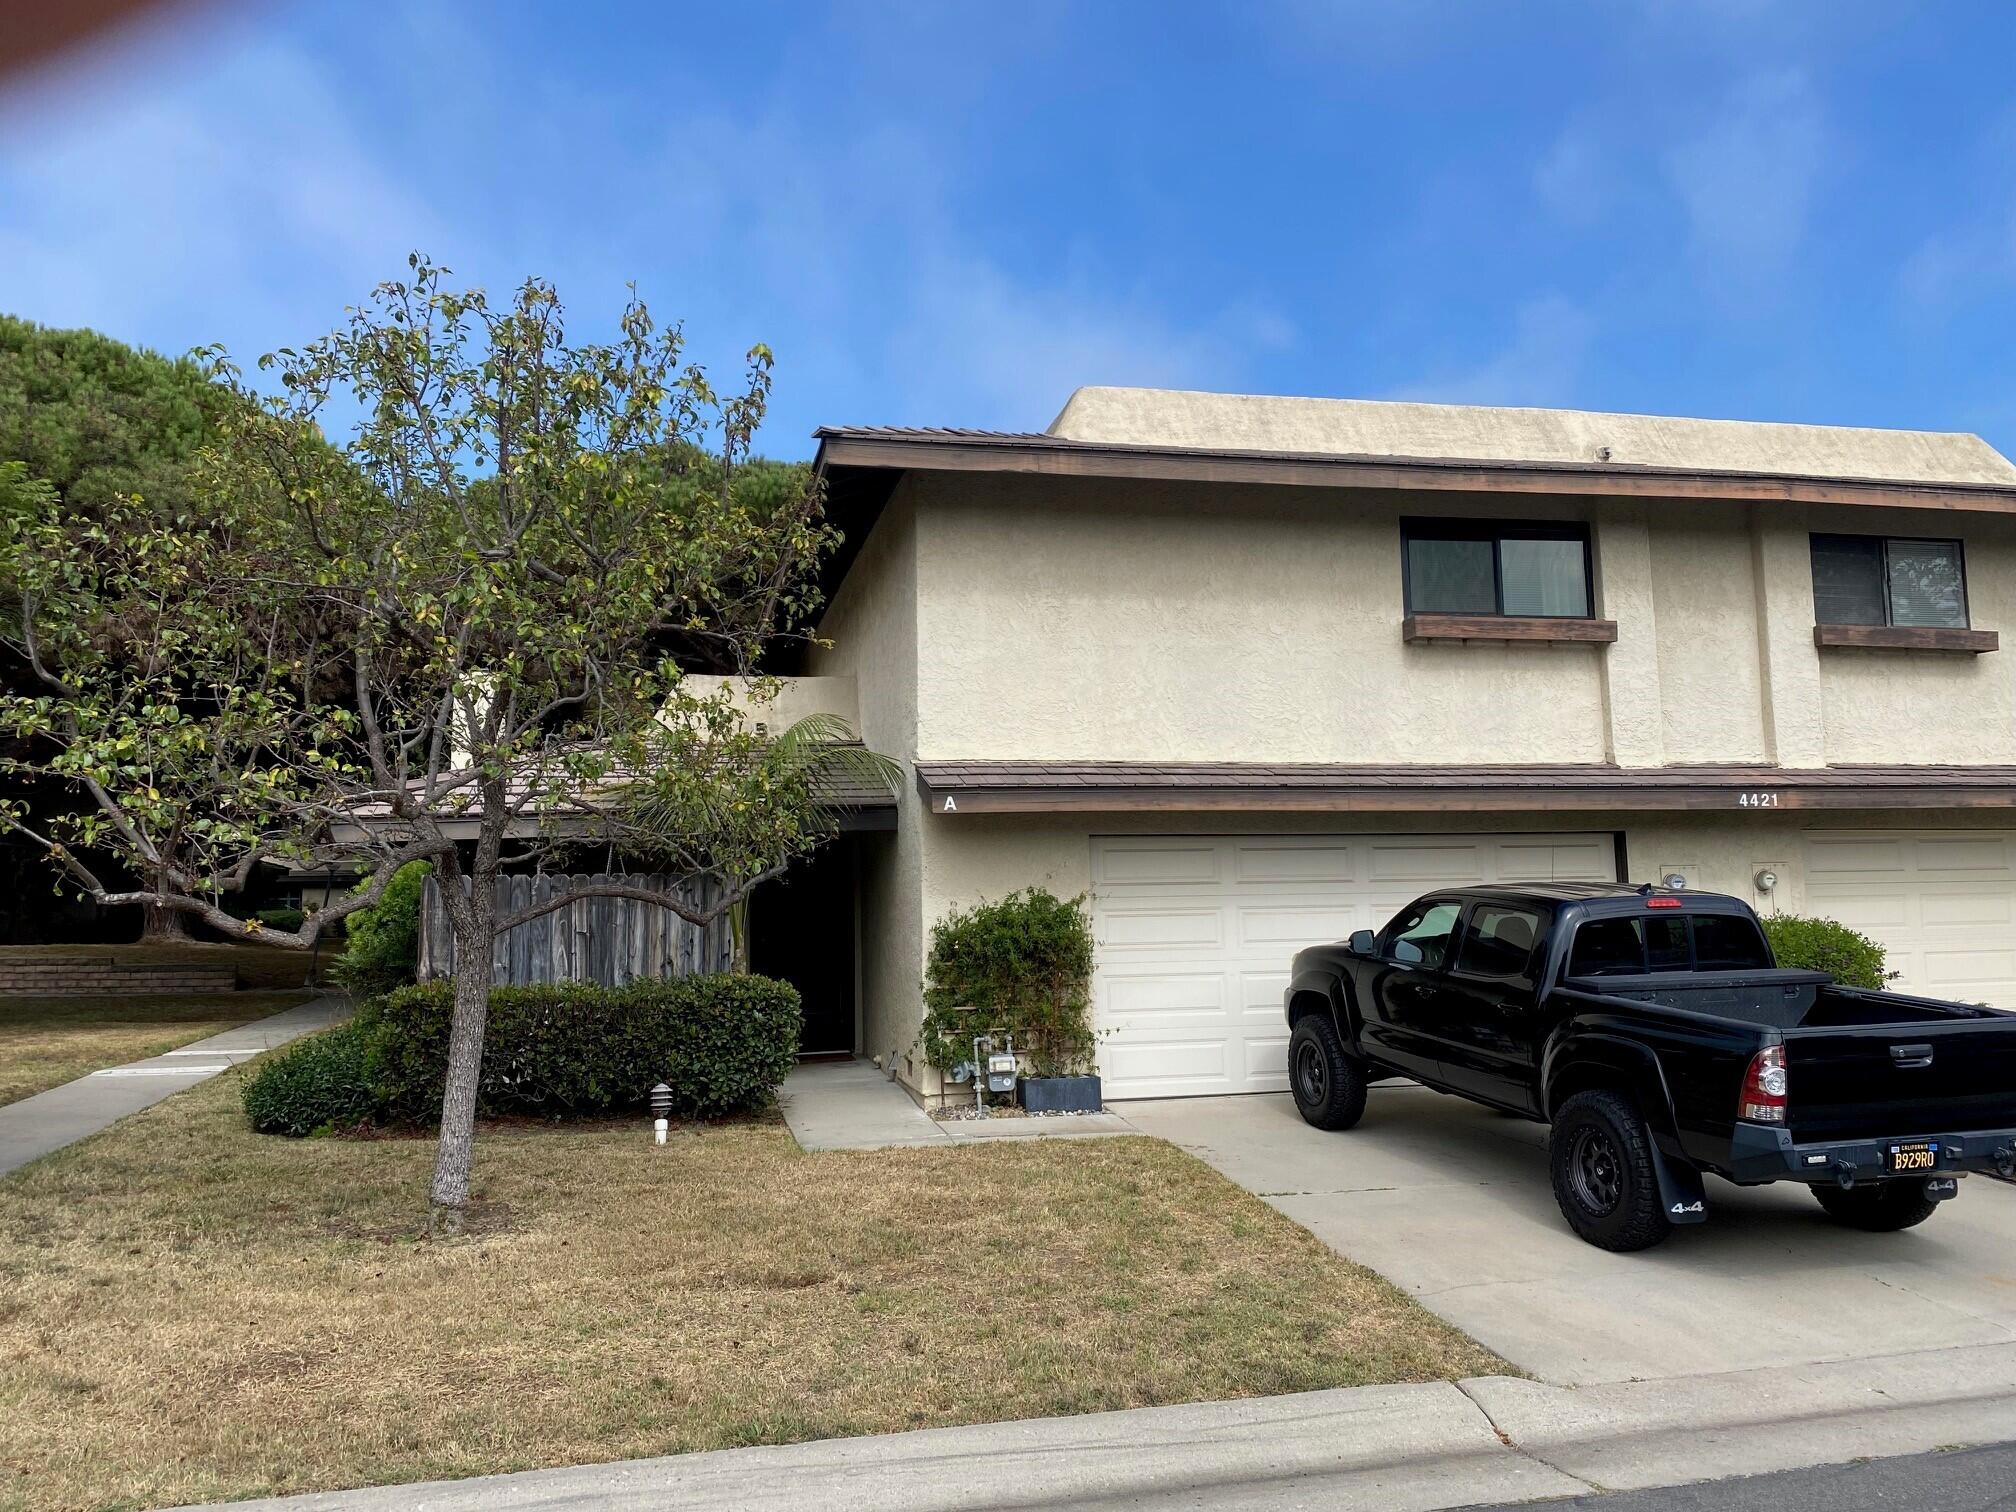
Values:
[(1499, 941), (1889, 580), (1497, 567), (1667, 942)]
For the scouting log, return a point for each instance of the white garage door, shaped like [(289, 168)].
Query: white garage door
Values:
[(1195, 934), (1942, 903)]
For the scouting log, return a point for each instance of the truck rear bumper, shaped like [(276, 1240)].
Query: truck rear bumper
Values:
[(1760, 1153)]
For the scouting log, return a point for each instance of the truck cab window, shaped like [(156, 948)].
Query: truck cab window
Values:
[(1420, 936), (1607, 947), (1723, 942), (1499, 942)]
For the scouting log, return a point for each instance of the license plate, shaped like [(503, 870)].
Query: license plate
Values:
[(1914, 1157)]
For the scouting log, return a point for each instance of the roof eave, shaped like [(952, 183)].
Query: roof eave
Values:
[(1053, 456)]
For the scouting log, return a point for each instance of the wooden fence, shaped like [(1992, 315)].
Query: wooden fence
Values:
[(606, 940)]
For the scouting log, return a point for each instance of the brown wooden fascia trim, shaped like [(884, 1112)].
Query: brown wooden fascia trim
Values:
[(1507, 627), (1906, 638), (1478, 800), (1056, 458)]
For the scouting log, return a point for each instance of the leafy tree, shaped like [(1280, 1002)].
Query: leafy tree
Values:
[(445, 639), (97, 420), (92, 421)]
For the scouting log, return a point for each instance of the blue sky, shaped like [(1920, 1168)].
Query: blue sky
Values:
[(953, 214)]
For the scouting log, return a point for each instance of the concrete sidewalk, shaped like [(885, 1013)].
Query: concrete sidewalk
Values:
[(35, 1126), (849, 1105), (1380, 1448)]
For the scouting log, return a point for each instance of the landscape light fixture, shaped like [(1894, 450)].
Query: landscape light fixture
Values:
[(661, 1108)]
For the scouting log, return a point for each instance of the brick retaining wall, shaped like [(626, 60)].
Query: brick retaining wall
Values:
[(88, 975)]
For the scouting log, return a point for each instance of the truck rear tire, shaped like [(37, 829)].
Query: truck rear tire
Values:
[(1601, 1156), (1328, 1082), (1882, 1207)]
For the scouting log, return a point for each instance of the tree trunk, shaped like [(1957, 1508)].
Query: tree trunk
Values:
[(163, 924), (450, 1192)]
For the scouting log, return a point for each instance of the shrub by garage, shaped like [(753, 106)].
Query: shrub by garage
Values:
[(1850, 957)]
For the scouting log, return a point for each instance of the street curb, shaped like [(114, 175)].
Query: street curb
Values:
[(1417, 1448)]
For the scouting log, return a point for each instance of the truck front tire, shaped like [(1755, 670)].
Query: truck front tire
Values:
[(1328, 1082), (1882, 1208), (1601, 1156)]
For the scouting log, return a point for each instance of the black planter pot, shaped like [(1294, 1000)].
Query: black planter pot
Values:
[(1061, 1094)]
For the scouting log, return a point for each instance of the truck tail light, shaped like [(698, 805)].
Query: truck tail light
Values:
[(1662, 902), (1763, 1099)]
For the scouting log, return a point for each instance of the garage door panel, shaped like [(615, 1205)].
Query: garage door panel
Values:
[(1941, 903), (1427, 864), (1295, 928), (1826, 857), (1192, 960), (1166, 1068), (1203, 928), (1146, 995), (1951, 854), (1304, 864), (1947, 972), (1266, 1067), (1171, 867), (1864, 911), (1591, 861)]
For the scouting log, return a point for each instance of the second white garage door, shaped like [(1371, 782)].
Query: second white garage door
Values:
[(1195, 934), (1942, 903)]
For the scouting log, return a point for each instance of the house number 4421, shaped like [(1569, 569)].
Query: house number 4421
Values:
[(1757, 800)]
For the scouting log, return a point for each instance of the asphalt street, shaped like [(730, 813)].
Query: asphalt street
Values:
[(1962, 1480)]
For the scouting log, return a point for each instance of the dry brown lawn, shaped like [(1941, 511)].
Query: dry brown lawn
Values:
[(190, 1311), (45, 1042)]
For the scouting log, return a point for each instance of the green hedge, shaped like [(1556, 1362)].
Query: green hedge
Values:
[(1851, 958), (381, 944), (722, 1043), (318, 1085)]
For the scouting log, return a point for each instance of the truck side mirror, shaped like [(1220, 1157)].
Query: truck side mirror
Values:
[(1362, 943)]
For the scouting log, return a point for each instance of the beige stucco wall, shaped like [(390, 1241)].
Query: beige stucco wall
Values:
[(1099, 621), (1081, 620), (1878, 706)]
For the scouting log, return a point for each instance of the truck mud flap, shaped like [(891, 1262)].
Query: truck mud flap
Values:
[(1680, 1191)]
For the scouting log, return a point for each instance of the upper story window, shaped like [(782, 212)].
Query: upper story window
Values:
[(1502, 568), (1889, 580)]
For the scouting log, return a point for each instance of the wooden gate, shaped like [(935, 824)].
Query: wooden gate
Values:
[(606, 940)]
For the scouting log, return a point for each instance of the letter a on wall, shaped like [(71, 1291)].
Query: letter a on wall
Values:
[(951, 805)]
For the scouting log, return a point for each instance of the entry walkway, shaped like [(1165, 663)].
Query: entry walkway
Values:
[(849, 1105), (35, 1126)]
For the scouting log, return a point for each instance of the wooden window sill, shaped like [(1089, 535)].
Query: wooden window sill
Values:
[(1906, 638), (1506, 627)]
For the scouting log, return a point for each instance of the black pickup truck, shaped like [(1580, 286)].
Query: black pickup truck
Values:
[(1657, 1035)]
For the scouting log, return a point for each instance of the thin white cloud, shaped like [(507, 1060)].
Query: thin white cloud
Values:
[(1748, 178), (1540, 365), (976, 342), (151, 199)]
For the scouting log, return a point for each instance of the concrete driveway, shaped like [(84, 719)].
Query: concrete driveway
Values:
[(1452, 1203)]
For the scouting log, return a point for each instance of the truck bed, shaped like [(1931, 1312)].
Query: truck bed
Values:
[(1858, 1062), (1781, 998)]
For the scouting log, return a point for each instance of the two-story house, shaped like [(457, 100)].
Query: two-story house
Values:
[(1252, 672)]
